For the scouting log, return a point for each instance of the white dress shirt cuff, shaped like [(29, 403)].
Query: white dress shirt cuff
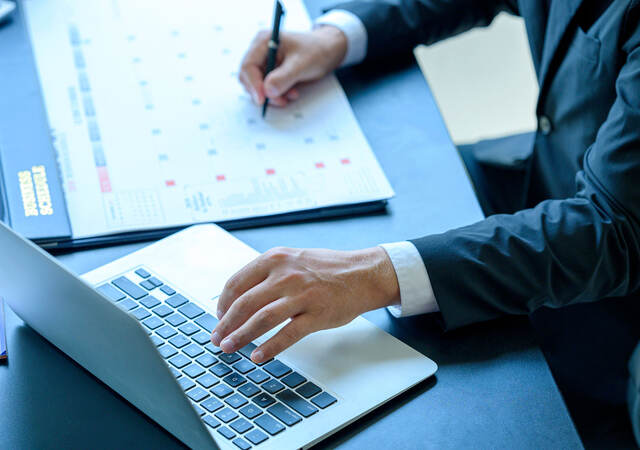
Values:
[(416, 292), (353, 28)]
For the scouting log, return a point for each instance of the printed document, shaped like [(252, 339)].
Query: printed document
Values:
[(153, 129)]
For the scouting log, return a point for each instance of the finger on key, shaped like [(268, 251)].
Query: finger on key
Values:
[(243, 308), (269, 317)]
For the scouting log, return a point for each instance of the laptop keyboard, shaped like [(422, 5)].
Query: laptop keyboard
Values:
[(243, 401)]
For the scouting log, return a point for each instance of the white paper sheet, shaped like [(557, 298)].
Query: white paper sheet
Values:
[(153, 129)]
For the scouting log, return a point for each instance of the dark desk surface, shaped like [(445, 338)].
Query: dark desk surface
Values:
[(493, 388)]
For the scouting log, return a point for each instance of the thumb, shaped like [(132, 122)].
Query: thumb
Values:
[(283, 77)]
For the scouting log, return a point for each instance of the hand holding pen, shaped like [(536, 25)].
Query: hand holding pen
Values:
[(301, 58)]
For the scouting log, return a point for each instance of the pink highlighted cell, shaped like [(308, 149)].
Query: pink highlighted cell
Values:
[(105, 182), (170, 183), (271, 171), (345, 161)]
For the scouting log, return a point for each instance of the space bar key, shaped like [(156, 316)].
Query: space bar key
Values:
[(208, 322)]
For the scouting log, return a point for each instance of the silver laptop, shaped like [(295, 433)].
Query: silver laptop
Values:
[(141, 324)]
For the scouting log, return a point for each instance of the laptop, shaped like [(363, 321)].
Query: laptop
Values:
[(141, 324)]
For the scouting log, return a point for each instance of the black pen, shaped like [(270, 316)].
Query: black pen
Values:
[(274, 43)]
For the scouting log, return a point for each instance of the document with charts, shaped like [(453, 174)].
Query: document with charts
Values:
[(153, 130)]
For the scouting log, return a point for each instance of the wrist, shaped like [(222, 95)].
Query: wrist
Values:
[(383, 288), (334, 43)]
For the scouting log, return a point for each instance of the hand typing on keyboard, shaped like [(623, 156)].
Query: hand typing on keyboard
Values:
[(316, 289)]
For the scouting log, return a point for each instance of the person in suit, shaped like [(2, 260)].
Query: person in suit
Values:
[(562, 204)]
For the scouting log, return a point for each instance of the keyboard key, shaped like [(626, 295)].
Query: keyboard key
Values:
[(250, 411), (176, 319), (179, 361), (226, 415), (229, 358), (186, 383), (241, 443), (249, 390), (256, 437), (284, 414), (263, 400), (241, 425), (206, 360), (143, 273), (222, 390), (234, 379), (149, 286), (244, 366), (167, 351), (323, 400), (191, 310), (236, 401), (194, 371), (308, 390), (272, 386), (293, 380), (193, 350), (131, 289), (162, 311), (226, 432), (213, 349), (197, 394), (297, 403), (150, 301), (202, 338), (220, 370), (155, 282), (208, 322), (176, 300), (269, 424), (212, 404), (189, 329), (213, 423), (110, 292), (167, 290), (207, 380), (140, 313), (277, 369), (166, 332), (152, 323), (176, 373), (127, 304), (258, 376), (179, 341), (156, 341)]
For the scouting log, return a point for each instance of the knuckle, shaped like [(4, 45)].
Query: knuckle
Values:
[(231, 287), (278, 254), (293, 278)]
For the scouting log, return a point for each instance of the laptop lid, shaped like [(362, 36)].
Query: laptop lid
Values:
[(98, 335)]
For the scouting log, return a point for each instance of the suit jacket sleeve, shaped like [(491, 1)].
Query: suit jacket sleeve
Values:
[(395, 27), (565, 251)]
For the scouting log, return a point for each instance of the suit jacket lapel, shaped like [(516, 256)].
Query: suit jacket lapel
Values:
[(560, 15)]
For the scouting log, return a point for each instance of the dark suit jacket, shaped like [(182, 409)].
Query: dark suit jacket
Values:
[(579, 239), (576, 238)]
